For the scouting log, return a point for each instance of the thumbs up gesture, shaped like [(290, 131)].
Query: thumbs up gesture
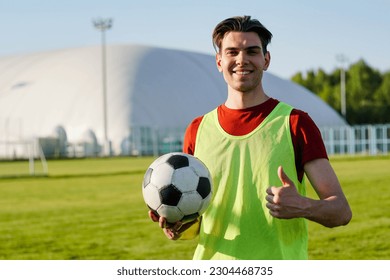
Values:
[(285, 202)]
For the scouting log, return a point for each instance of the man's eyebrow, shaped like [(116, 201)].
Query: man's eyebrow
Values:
[(247, 48), (254, 48)]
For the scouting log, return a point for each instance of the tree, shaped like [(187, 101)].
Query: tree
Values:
[(382, 98), (367, 91), (363, 82)]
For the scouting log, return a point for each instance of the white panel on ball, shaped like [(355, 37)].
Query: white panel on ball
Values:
[(190, 202), (172, 213), (185, 179)]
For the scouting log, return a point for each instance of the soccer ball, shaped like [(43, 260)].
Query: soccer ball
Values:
[(177, 186)]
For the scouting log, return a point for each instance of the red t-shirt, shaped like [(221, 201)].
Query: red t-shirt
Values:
[(306, 137)]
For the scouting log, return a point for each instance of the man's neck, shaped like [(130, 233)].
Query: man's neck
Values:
[(242, 100)]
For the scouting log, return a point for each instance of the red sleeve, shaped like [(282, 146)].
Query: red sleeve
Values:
[(190, 136), (307, 140)]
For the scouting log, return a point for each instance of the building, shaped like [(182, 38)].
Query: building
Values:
[(55, 99)]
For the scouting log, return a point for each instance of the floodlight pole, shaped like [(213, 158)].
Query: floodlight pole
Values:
[(342, 59), (102, 25)]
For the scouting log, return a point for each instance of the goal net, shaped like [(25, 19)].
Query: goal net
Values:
[(22, 158)]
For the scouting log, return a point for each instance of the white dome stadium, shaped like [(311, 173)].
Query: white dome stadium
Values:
[(149, 89)]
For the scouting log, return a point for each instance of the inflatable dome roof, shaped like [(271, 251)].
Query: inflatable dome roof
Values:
[(146, 87)]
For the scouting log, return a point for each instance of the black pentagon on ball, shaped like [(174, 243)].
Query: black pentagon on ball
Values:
[(147, 176), (170, 195), (204, 187), (178, 161)]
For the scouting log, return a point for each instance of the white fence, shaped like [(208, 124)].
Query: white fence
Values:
[(153, 141), (351, 140), (361, 139), (142, 141)]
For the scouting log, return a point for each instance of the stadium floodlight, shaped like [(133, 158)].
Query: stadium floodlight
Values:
[(342, 59), (102, 25)]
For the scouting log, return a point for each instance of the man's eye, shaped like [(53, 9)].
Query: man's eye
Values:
[(253, 52), (231, 52)]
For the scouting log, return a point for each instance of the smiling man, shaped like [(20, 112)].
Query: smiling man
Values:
[(257, 150)]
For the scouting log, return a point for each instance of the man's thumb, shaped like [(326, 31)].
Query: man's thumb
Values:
[(286, 181)]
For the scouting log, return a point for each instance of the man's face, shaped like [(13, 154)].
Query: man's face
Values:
[(241, 61)]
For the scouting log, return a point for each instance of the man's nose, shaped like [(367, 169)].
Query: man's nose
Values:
[(241, 58)]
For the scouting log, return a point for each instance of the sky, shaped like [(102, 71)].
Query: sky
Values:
[(307, 34)]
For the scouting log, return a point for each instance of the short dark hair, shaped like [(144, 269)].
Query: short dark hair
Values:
[(241, 24)]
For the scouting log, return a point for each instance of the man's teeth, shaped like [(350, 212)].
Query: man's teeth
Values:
[(242, 72)]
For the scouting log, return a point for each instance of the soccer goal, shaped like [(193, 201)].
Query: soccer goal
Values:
[(22, 158)]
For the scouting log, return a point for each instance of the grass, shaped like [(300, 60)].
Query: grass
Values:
[(367, 237), (93, 209), (84, 209)]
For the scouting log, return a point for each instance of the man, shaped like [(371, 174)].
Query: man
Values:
[(257, 150)]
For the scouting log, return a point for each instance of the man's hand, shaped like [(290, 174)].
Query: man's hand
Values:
[(172, 231), (285, 202)]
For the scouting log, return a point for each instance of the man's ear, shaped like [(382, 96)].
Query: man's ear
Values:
[(218, 60), (267, 58)]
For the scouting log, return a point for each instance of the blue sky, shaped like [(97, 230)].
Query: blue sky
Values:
[(308, 34)]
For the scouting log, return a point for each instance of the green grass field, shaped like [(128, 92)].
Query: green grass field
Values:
[(93, 209)]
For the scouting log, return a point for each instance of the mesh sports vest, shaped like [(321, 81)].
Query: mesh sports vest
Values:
[(237, 225)]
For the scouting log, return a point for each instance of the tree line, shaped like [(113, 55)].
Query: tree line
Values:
[(367, 91)]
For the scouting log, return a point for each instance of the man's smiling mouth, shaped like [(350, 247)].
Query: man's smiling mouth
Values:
[(243, 73)]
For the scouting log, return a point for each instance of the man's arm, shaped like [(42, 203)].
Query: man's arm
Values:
[(332, 209)]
